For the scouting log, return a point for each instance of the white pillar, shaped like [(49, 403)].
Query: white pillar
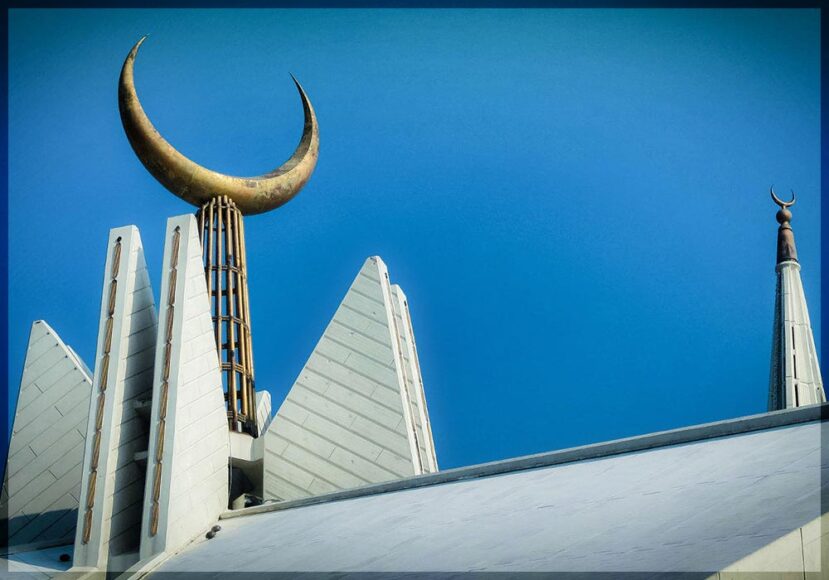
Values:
[(112, 483), (187, 460)]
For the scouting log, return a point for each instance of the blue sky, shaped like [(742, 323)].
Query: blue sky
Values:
[(574, 201)]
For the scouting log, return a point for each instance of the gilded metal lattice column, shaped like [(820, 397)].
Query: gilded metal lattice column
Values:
[(223, 246)]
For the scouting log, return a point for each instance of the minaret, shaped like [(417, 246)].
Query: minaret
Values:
[(795, 373)]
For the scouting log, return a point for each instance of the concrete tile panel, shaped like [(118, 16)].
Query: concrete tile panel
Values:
[(402, 466), (344, 437), (357, 322), (46, 458), (293, 434), (349, 399), (281, 468), (282, 488), (322, 469), (45, 449), (354, 463)]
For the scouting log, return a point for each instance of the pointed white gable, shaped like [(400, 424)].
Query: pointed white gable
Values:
[(43, 470), (187, 460), (348, 420), (112, 482)]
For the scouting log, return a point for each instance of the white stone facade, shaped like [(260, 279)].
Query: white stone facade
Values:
[(351, 417), (187, 461), (112, 483), (741, 496), (43, 470)]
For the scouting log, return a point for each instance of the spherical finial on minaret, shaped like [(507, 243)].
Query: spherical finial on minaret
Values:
[(786, 250), (784, 216)]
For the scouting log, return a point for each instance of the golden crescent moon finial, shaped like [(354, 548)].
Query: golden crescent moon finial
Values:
[(196, 184), (780, 202)]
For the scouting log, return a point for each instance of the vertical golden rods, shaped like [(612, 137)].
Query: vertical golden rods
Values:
[(223, 250), (242, 338), (231, 334), (209, 267), (243, 278), (221, 260)]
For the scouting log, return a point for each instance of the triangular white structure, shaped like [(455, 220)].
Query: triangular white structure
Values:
[(187, 460), (350, 417), (795, 379), (112, 487), (43, 471)]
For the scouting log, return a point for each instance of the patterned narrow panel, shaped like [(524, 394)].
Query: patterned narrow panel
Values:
[(187, 473), (109, 518), (346, 421), (43, 469), (409, 379), (414, 383), (795, 379)]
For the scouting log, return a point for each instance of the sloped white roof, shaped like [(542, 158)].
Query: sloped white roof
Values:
[(696, 499)]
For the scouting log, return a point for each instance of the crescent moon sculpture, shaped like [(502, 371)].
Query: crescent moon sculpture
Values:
[(780, 202), (198, 185)]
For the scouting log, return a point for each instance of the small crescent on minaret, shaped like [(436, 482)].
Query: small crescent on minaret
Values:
[(196, 184), (780, 202)]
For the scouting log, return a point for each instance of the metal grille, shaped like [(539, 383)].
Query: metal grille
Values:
[(223, 248)]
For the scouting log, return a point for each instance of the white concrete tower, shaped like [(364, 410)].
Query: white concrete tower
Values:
[(795, 373)]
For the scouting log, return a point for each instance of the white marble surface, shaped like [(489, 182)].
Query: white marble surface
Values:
[(699, 506), (348, 420), (195, 454), (43, 477), (116, 513)]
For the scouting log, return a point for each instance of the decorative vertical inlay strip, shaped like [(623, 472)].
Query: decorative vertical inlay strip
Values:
[(408, 410), (426, 427), (102, 387), (165, 382)]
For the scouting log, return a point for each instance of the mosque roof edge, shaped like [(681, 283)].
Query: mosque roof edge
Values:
[(724, 428)]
